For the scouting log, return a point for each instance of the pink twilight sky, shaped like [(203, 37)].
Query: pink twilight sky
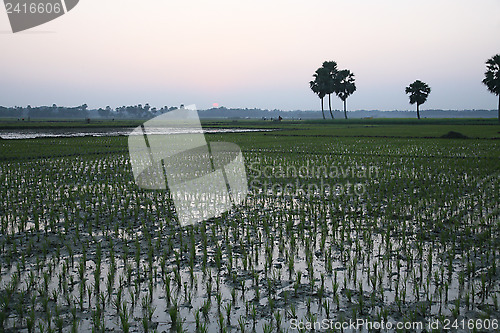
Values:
[(251, 53)]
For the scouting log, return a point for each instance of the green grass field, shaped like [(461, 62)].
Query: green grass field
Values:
[(387, 221)]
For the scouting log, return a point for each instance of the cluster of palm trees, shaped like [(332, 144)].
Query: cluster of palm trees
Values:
[(328, 80)]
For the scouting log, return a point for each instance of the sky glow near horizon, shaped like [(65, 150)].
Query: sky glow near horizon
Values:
[(252, 53)]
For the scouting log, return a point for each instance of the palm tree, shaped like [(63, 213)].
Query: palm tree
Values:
[(331, 67), (419, 91), (345, 86), (492, 77), (320, 85)]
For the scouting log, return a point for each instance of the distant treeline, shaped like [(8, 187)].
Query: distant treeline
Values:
[(78, 112), (338, 114), (146, 112)]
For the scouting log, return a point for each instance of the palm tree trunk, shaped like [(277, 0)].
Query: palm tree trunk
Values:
[(418, 111), (345, 110), (322, 109), (330, 104), (499, 107)]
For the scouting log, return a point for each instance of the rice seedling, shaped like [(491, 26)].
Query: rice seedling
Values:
[(241, 324), (124, 318)]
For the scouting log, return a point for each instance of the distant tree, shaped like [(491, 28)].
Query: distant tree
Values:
[(320, 85), (121, 110), (419, 91), (344, 86), (106, 112), (332, 81), (492, 77)]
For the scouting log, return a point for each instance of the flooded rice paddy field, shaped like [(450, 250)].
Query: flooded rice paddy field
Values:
[(66, 132), (385, 230)]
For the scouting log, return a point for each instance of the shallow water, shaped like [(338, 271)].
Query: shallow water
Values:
[(79, 132)]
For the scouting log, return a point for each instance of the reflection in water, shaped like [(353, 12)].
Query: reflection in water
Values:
[(78, 132)]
